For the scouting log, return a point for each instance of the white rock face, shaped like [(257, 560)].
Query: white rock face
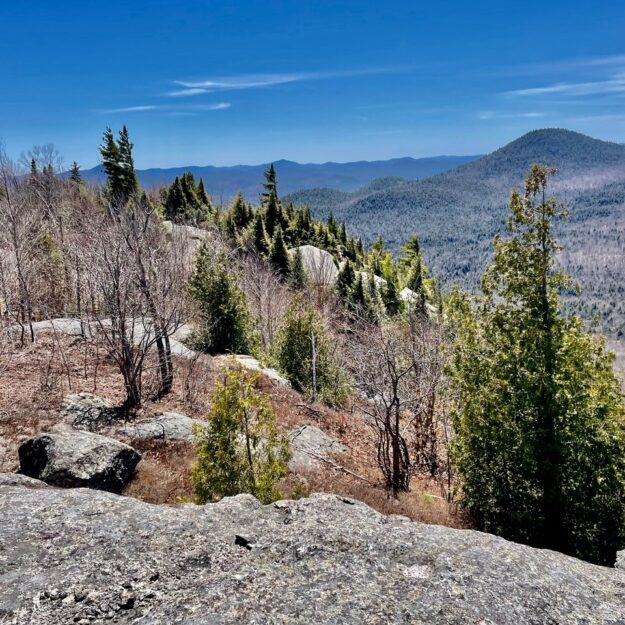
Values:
[(318, 264), (379, 282)]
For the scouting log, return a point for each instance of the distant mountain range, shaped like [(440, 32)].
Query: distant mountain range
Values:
[(458, 212), (224, 182)]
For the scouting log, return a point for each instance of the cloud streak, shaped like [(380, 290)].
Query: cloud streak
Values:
[(614, 85), (260, 81), (493, 115), (131, 109)]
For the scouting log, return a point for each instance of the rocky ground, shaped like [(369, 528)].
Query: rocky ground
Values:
[(85, 556), (62, 385)]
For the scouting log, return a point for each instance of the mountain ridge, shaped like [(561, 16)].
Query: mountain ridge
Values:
[(224, 182)]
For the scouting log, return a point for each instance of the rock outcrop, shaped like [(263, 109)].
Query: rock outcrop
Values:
[(318, 264), (311, 446), (169, 426), (88, 412), (80, 556), (73, 459)]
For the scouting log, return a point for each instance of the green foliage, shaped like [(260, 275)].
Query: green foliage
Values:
[(224, 324), (304, 354), (186, 203), (297, 273), (118, 165), (74, 173), (345, 280), (240, 450), (541, 435), (278, 254)]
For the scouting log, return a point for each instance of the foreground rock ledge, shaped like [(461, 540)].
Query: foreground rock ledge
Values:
[(83, 556)]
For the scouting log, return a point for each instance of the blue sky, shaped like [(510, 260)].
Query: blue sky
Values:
[(203, 82)]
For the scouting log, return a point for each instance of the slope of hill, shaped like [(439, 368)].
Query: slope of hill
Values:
[(457, 213), (223, 182)]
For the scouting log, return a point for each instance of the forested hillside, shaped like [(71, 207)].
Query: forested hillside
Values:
[(457, 213)]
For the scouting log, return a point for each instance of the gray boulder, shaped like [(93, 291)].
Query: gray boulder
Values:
[(167, 426), (318, 264), (311, 446), (74, 459), (79, 556), (252, 364), (87, 412)]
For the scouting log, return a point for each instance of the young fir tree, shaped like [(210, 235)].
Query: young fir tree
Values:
[(345, 280), (304, 355), (224, 324), (74, 174), (203, 196), (297, 273), (540, 438), (259, 235), (278, 254), (393, 304), (240, 449), (272, 216), (239, 215), (357, 300)]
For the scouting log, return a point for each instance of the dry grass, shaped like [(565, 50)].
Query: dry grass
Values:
[(38, 376)]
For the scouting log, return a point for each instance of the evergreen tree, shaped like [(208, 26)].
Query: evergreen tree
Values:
[(278, 254), (345, 280), (111, 165), (240, 449), (224, 324), (540, 438), (305, 356), (357, 300), (260, 235), (127, 164), (240, 215), (272, 214), (74, 175), (390, 297), (270, 185), (203, 196), (297, 273)]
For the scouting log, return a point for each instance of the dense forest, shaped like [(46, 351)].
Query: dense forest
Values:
[(502, 399)]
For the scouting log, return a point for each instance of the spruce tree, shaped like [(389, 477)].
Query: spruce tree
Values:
[(278, 253), (390, 297), (260, 235), (224, 317), (540, 440), (112, 166), (203, 196), (270, 186), (74, 174), (130, 184), (272, 214), (297, 273), (345, 280)]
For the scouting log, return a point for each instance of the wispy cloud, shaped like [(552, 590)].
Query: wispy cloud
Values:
[(259, 81), (185, 110), (615, 84), (130, 109), (488, 115)]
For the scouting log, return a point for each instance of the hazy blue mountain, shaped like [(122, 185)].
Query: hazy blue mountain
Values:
[(458, 212), (223, 182)]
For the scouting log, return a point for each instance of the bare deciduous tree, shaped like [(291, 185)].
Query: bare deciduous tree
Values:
[(398, 369)]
